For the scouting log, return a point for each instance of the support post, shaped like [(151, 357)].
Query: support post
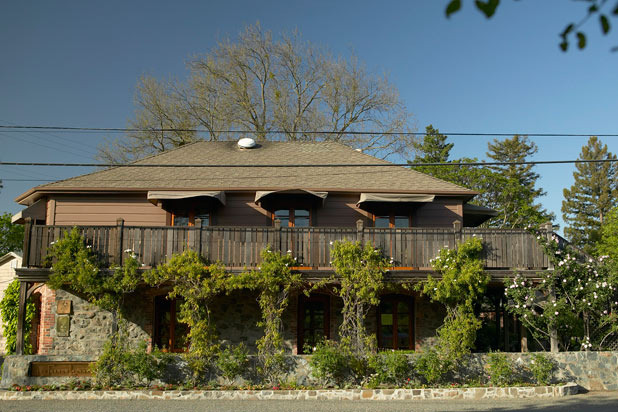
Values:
[(549, 231), (360, 231), (277, 241), (524, 337), (198, 238), (457, 226), (27, 242), (119, 235), (21, 318)]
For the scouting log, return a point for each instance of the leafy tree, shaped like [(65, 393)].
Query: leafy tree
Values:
[(259, 85), (515, 191), (11, 236), (596, 9), (593, 194)]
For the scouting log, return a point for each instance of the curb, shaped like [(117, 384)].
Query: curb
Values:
[(321, 394)]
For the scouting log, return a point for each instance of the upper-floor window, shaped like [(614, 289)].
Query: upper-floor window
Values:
[(391, 221), (188, 218), (293, 217)]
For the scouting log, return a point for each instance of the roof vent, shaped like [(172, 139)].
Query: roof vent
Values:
[(246, 143)]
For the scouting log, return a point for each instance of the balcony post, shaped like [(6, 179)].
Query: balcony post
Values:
[(360, 231), (27, 241), (549, 231), (277, 240), (119, 233), (198, 238), (457, 231)]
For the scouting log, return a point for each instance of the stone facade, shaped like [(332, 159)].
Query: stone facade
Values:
[(326, 394)]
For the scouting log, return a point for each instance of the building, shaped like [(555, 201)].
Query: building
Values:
[(8, 263), (228, 201)]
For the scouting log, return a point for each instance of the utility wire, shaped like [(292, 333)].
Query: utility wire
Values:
[(327, 132), (458, 164)]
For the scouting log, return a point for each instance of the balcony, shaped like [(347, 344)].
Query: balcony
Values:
[(410, 249)]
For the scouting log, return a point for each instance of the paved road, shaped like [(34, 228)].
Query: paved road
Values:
[(591, 402)]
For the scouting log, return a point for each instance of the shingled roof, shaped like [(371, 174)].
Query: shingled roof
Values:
[(248, 174)]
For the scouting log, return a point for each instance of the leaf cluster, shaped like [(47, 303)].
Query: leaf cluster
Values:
[(11, 235), (9, 308)]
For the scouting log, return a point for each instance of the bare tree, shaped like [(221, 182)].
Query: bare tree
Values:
[(284, 89)]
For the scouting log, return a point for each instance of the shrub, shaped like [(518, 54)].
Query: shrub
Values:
[(542, 369), (390, 368), (431, 367), (330, 363), (500, 369), (232, 361)]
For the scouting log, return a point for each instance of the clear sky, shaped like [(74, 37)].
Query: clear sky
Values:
[(76, 63)]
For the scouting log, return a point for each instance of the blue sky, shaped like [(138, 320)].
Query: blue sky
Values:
[(76, 63)]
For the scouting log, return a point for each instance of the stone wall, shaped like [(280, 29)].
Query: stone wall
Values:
[(590, 370)]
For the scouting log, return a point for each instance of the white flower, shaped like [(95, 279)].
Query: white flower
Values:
[(331, 242), (88, 247), (289, 251), (128, 251), (555, 313)]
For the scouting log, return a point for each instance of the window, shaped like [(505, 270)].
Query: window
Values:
[(169, 334), (188, 219), (313, 320), (391, 221), (395, 322), (293, 217)]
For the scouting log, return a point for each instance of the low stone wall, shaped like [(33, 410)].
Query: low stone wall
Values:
[(326, 394), (590, 370)]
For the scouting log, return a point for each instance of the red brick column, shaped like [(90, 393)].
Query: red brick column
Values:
[(48, 319)]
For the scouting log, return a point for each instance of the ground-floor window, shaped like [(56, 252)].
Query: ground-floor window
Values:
[(169, 334), (395, 322), (313, 320)]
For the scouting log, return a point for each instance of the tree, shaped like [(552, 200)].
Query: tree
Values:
[(515, 191), (592, 195), (595, 9), (11, 236), (285, 89)]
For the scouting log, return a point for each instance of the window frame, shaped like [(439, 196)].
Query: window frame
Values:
[(191, 218), (391, 220), (300, 330), (394, 299), (292, 216)]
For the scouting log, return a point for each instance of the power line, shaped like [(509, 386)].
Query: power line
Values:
[(456, 164), (326, 132)]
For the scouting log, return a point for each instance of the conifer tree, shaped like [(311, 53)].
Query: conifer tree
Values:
[(593, 194), (515, 191), (433, 149)]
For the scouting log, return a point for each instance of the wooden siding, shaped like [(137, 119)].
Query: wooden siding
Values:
[(440, 213), (341, 210), (104, 210), (240, 210)]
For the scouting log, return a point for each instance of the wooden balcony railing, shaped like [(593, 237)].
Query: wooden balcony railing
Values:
[(239, 247)]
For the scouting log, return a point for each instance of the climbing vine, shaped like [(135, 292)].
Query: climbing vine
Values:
[(196, 282), (360, 273), (9, 307), (462, 282), (274, 280)]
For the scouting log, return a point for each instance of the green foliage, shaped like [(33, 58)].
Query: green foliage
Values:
[(593, 8), (578, 298), (516, 192), (9, 308), (197, 283), (75, 266), (389, 368), (274, 280), (330, 363), (360, 271), (463, 279), (591, 197), (542, 368), (456, 336), (608, 245), (431, 366), (123, 365), (500, 369), (11, 236), (232, 361)]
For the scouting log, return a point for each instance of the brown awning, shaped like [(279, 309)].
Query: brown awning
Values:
[(394, 198), (261, 195), (475, 215), (155, 195), (37, 210)]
